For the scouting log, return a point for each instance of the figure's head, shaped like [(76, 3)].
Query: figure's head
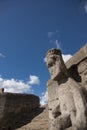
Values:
[(55, 64)]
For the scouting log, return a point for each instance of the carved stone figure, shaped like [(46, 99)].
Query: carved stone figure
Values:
[(67, 105)]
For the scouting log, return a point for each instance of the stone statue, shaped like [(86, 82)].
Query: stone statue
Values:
[(67, 105)]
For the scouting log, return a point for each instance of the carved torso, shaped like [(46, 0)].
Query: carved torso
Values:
[(66, 99)]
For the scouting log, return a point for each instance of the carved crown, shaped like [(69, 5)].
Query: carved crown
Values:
[(54, 51)]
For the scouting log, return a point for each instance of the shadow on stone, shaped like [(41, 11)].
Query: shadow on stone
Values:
[(73, 71), (27, 118), (17, 110), (15, 122)]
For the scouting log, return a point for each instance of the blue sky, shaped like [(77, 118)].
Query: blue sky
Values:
[(28, 28)]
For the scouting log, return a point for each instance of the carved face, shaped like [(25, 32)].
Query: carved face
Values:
[(54, 63)]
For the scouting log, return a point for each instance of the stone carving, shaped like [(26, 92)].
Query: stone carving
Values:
[(67, 105)]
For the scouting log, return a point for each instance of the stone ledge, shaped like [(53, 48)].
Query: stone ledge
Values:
[(77, 57)]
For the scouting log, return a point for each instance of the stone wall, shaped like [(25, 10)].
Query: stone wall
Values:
[(14, 107), (1, 90), (77, 67)]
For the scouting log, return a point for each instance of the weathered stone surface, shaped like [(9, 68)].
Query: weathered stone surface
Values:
[(14, 107), (78, 57), (77, 66), (67, 103), (39, 120), (1, 90)]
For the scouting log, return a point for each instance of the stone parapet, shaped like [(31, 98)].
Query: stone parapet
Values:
[(13, 107)]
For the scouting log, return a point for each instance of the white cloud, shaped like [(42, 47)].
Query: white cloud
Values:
[(44, 98), (18, 86), (85, 7), (34, 80), (66, 57), (53, 38), (45, 59), (15, 86), (58, 44), (2, 56), (50, 34)]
